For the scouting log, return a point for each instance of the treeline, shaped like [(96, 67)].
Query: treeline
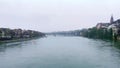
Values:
[(66, 33), (6, 34), (98, 33)]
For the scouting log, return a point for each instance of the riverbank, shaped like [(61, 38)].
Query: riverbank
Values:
[(12, 35), (98, 33), (18, 40)]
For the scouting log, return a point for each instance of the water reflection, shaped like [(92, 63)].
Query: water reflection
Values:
[(60, 52), (18, 44)]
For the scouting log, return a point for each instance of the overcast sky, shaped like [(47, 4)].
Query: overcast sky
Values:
[(56, 15)]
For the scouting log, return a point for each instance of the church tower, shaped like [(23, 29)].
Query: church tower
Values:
[(112, 20)]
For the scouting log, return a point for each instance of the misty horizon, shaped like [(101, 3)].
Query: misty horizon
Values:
[(56, 15)]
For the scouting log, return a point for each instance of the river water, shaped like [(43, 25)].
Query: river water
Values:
[(59, 52)]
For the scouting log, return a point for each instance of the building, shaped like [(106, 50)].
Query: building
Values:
[(102, 25), (105, 25), (115, 26), (5, 33), (17, 33), (112, 20)]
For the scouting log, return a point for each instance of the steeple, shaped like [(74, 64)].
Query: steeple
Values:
[(111, 19)]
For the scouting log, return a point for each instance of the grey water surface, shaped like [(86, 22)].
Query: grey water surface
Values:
[(59, 52)]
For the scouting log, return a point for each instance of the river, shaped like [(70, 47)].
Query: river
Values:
[(59, 52)]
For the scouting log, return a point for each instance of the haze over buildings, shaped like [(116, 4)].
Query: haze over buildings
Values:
[(56, 15)]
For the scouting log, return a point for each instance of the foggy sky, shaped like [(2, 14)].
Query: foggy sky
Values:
[(56, 15)]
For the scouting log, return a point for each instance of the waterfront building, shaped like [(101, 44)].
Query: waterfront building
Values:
[(112, 20), (102, 25)]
